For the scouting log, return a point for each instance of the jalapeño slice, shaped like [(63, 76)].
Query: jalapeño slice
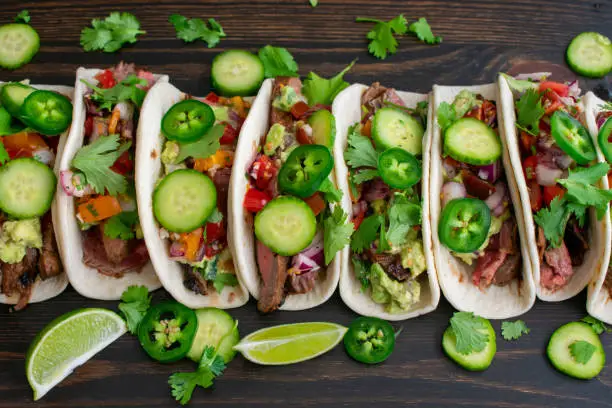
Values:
[(47, 112), (187, 121), (603, 138), (305, 169), (369, 340), (398, 168), (464, 224), (572, 137)]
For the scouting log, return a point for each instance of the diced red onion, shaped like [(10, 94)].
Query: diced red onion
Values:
[(315, 249), (574, 90), (127, 203), (567, 100), (307, 130), (74, 184), (177, 250), (452, 190), (535, 76), (233, 117), (601, 119), (495, 201), (490, 172), (547, 175), (304, 264), (45, 156), (66, 182)]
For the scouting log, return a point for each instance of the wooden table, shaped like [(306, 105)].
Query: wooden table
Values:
[(481, 38)]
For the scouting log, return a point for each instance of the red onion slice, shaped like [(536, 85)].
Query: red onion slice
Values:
[(66, 182), (490, 172), (304, 264), (496, 199)]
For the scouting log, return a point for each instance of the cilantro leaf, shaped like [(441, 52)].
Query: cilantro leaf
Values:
[(332, 193), (210, 359), (514, 330), (193, 29), (446, 115), (582, 351), (382, 40), (579, 211), (362, 176), (224, 279), (366, 233), (469, 332), (403, 215), (580, 188), (423, 31), (337, 233), (361, 272), (314, 3), (277, 61), (135, 301), (529, 111), (95, 160), (4, 157), (597, 325), (322, 91), (110, 34), (121, 225), (182, 384), (553, 221), (360, 152), (204, 147), (130, 89), (23, 17)]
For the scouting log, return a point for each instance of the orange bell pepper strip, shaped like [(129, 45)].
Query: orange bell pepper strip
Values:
[(316, 203), (238, 105), (192, 241), (221, 159), (114, 121), (98, 208), (366, 130)]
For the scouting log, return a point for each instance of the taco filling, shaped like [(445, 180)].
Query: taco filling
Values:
[(31, 121), (477, 221), (290, 191), (559, 166), (190, 200), (383, 158), (101, 178)]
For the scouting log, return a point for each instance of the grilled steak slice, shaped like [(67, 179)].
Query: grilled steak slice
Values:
[(397, 271), (508, 271), (116, 249), (49, 263), (19, 277), (194, 281), (486, 268), (506, 239), (273, 271), (94, 255), (560, 267)]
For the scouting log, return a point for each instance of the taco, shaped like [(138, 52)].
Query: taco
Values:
[(286, 223), (599, 296), (479, 244), (183, 173), (561, 183), (382, 161), (101, 240), (30, 146)]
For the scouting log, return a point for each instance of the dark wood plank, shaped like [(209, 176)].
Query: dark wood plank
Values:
[(480, 39)]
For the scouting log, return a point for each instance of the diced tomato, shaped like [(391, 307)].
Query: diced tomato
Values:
[(23, 143), (212, 98), (550, 192), (527, 142), (551, 101), (535, 195), (123, 165), (106, 79), (255, 200), (529, 167), (557, 87), (366, 129), (489, 111), (265, 173), (476, 113), (610, 179), (316, 203), (229, 135), (214, 231), (358, 219), (88, 126), (299, 109), (303, 137)]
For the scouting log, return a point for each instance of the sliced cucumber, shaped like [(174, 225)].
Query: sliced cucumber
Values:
[(476, 361), (560, 354), (215, 328), (471, 141), (27, 187), (183, 200), (237, 72), (392, 127), (286, 225), (323, 126), (18, 44), (590, 54), (13, 95)]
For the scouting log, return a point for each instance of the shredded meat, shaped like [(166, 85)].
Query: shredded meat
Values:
[(221, 180), (556, 270), (49, 263), (19, 277), (486, 268), (273, 272), (397, 271), (302, 283), (576, 242)]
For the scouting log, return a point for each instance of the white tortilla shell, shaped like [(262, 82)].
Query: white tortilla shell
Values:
[(46, 289), (494, 302), (347, 111), (253, 133), (85, 280), (595, 259), (599, 303), (149, 168)]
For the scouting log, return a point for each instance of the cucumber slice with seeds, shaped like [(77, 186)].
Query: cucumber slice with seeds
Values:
[(590, 54), (237, 72), (27, 187), (215, 328), (18, 44), (393, 128), (323, 128), (13, 96), (560, 355), (476, 361), (471, 141)]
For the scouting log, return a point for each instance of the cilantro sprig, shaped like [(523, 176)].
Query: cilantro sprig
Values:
[(469, 332), (22, 17), (360, 152), (130, 89), (582, 351), (204, 147), (121, 226), (514, 330), (110, 34), (210, 367), (422, 30), (135, 301), (597, 325), (190, 30), (529, 111), (320, 90), (277, 61), (337, 233)]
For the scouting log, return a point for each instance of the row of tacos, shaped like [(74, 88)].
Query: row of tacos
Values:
[(493, 193)]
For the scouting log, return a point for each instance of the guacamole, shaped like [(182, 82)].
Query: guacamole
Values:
[(413, 255), (274, 139), (464, 102), (397, 296), (287, 98), (170, 153), (17, 236)]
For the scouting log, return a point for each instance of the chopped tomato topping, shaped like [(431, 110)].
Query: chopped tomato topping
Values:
[(88, 126), (529, 167), (214, 231), (535, 195), (550, 192), (265, 173), (358, 219), (255, 200), (299, 109), (106, 79), (211, 98), (23, 144), (303, 137), (229, 135), (557, 87), (527, 142), (123, 165), (316, 203), (488, 111)]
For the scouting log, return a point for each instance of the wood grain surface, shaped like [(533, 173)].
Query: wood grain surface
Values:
[(481, 38)]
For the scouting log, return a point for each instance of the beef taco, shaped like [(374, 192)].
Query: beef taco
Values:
[(286, 221), (382, 156), (101, 239), (561, 181), (31, 144), (186, 148), (479, 240)]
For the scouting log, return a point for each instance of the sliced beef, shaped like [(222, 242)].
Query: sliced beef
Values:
[(273, 272), (49, 263), (302, 283), (508, 271), (383, 259), (116, 249), (556, 269), (18, 278), (125, 129), (391, 96), (221, 180), (397, 271), (95, 256), (476, 186), (486, 268), (506, 239), (194, 280), (373, 97)]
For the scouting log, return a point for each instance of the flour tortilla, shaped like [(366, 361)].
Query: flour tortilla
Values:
[(149, 169), (252, 135), (49, 288), (85, 280), (599, 303), (494, 302), (347, 110), (595, 260)]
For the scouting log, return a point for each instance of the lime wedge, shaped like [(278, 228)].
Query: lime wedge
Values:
[(290, 343), (66, 343)]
